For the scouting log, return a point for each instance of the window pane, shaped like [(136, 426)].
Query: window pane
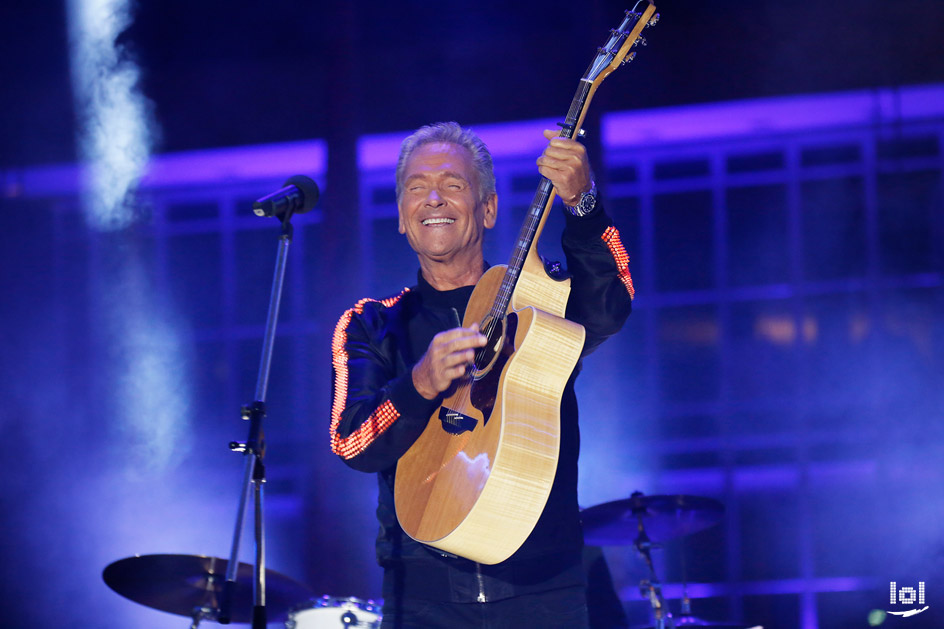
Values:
[(758, 235), (833, 228), (907, 205), (689, 354), (683, 241)]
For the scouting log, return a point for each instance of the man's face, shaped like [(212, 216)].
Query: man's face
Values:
[(440, 209)]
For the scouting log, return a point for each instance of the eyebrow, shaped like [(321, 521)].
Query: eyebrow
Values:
[(446, 175)]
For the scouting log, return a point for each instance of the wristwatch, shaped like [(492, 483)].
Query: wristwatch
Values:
[(586, 203)]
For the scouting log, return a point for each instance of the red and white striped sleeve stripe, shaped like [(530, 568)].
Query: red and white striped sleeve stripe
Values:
[(382, 418), (612, 240)]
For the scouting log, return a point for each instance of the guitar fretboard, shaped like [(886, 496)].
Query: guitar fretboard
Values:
[(540, 204)]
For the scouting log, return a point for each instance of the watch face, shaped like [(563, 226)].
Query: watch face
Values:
[(586, 203)]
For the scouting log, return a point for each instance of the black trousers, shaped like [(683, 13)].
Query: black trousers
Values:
[(556, 609)]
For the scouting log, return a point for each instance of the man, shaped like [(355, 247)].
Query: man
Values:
[(394, 359)]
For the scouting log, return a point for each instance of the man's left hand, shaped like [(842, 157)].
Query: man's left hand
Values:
[(565, 163)]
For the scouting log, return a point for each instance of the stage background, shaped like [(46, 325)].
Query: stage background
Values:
[(776, 174)]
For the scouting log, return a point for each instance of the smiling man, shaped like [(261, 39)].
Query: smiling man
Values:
[(395, 358), (444, 212)]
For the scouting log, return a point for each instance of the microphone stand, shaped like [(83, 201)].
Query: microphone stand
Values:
[(254, 451)]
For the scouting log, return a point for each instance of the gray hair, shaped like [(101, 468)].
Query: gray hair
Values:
[(455, 134)]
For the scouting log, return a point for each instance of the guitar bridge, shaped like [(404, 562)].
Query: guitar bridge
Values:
[(454, 422)]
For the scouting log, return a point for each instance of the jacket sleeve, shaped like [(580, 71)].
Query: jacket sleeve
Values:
[(601, 293), (376, 412)]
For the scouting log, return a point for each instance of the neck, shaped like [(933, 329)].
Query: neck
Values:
[(449, 276)]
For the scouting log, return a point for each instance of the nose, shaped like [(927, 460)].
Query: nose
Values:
[(433, 198)]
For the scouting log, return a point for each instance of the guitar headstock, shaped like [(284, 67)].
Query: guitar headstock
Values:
[(617, 49)]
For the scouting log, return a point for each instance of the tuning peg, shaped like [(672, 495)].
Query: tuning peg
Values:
[(629, 58), (640, 41), (653, 20)]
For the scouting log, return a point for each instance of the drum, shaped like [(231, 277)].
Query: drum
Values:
[(329, 612)]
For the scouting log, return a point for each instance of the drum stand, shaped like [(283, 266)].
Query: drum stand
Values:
[(651, 588), (668, 517), (254, 450), (202, 613)]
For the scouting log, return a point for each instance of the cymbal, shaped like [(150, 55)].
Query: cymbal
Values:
[(664, 518), (179, 584)]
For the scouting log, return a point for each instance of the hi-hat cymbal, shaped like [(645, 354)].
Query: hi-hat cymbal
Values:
[(180, 584), (663, 517)]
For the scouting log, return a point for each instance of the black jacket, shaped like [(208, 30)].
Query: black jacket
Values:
[(377, 414)]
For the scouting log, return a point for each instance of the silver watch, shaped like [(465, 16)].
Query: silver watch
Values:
[(588, 201)]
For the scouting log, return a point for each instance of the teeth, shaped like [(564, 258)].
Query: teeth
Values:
[(438, 221)]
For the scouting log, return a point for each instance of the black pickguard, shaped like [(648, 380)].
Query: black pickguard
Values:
[(484, 389)]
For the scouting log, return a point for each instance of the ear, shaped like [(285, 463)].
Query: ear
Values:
[(400, 226), (491, 211)]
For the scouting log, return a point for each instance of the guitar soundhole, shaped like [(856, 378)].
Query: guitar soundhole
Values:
[(500, 348), (494, 331)]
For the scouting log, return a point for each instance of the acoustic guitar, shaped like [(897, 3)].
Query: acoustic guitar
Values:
[(476, 481)]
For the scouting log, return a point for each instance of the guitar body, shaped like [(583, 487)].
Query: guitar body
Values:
[(478, 490)]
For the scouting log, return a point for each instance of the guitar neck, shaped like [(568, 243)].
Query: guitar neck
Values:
[(610, 56), (540, 205)]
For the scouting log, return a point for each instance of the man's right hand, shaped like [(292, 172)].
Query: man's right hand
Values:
[(449, 355)]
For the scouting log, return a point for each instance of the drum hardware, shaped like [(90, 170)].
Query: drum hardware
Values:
[(191, 585), (649, 588), (665, 517), (642, 521), (685, 618)]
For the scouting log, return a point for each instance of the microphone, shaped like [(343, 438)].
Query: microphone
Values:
[(298, 195)]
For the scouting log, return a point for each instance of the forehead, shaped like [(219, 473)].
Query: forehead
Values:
[(435, 157)]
